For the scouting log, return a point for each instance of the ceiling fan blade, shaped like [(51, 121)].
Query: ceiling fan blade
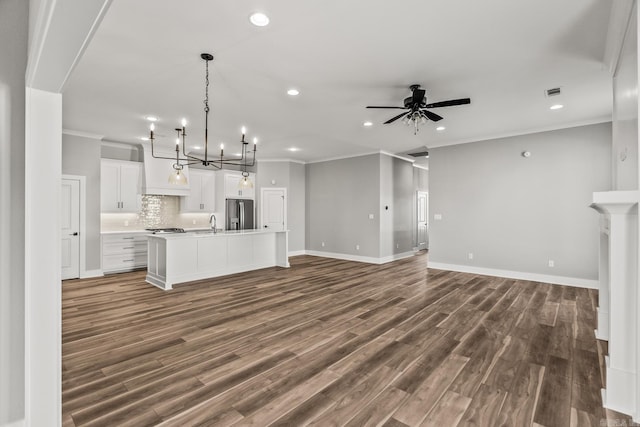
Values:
[(375, 106), (393, 119), (450, 103), (431, 116), (418, 96)]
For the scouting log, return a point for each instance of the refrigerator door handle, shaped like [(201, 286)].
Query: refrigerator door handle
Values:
[(241, 205)]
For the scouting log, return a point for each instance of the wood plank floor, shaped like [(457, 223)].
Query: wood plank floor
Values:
[(330, 342)]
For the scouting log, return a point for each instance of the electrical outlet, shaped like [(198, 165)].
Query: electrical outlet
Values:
[(470, 255), (370, 216), (126, 222), (437, 217), (323, 244), (552, 263), (397, 245), (194, 222), (357, 247)]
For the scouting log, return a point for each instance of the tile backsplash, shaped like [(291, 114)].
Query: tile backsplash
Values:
[(155, 212)]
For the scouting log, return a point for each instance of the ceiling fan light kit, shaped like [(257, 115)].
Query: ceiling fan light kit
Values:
[(417, 106), (217, 162)]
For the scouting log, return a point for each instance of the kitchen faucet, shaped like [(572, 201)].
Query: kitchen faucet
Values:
[(212, 221)]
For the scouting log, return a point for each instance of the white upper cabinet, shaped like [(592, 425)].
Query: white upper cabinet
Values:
[(203, 192), (232, 188), (120, 186)]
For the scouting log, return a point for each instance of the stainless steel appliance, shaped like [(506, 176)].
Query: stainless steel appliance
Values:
[(239, 214)]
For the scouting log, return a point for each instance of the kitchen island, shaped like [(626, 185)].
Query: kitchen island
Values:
[(184, 257)]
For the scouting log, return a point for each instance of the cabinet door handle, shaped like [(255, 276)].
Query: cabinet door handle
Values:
[(129, 247), (127, 260), (74, 234), (127, 238)]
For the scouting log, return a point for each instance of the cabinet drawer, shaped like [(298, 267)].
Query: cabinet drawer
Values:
[(113, 238), (130, 247), (123, 262)]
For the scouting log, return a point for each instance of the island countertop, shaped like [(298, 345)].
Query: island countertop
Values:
[(200, 233), (174, 258)]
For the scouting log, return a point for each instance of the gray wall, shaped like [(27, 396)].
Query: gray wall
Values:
[(81, 156), (119, 151), (297, 203), (397, 225), (14, 26), (289, 175), (516, 213), (340, 196)]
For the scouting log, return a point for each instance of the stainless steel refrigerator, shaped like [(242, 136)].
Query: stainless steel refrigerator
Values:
[(239, 214)]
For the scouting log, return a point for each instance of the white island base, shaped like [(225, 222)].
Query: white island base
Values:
[(185, 257)]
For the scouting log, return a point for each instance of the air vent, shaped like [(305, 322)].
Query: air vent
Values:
[(420, 154), (553, 91)]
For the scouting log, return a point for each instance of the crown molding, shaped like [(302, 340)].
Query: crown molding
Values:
[(301, 162), (82, 134), (619, 19)]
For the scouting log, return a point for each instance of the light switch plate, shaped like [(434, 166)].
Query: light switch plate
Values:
[(437, 217)]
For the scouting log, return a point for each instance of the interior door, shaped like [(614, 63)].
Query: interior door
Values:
[(70, 231), (274, 208), (422, 216)]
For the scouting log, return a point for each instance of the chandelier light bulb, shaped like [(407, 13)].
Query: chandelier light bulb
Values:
[(222, 146), (152, 127), (255, 141), (177, 141), (184, 122)]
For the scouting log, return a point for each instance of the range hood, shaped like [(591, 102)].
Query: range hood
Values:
[(157, 171)]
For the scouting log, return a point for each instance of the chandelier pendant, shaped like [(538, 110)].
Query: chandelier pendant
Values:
[(190, 158)]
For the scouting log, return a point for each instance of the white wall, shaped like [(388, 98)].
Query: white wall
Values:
[(625, 112), (13, 51), (515, 213)]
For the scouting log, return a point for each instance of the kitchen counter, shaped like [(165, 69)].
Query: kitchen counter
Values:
[(183, 257)]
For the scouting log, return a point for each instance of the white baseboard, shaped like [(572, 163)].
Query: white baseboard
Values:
[(359, 258), (19, 423), (91, 273), (519, 275), (297, 253)]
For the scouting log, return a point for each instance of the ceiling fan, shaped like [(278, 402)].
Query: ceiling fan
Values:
[(416, 105)]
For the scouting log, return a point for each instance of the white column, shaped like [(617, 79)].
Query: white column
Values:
[(619, 277), (43, 164)]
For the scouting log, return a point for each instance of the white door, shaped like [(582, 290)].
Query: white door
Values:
[(274, 208), (423, 215), (70, 220)]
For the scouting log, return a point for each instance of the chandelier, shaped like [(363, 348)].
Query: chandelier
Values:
[(208, 159)]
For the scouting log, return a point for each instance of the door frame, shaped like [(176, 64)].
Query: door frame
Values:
[(261, 204), (82, 181), (426, 194)]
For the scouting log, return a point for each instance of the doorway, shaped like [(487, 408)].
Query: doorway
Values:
[(273, 206), (422, 203), (71, 230)]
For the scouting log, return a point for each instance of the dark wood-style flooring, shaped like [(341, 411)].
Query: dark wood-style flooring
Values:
[(330, 342)]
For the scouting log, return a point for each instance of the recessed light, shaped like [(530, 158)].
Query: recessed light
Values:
[(556, 107), (440, 128), (259, 19), (144, 138), (152, 118), (196, 147), (367, 124), (294, 149), (293, 92)]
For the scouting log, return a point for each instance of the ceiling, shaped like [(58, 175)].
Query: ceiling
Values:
[(342, 56)]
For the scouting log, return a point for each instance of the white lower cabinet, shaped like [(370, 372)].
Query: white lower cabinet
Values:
[(123, 252)]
